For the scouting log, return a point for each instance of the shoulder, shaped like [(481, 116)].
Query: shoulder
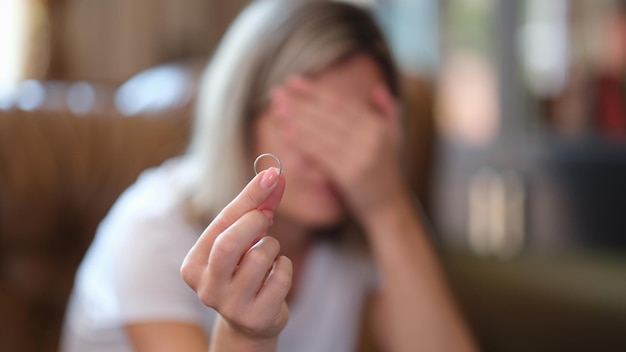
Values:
[(154, 235), (131, 271), (150, 218), (146, 236), (157, 191)]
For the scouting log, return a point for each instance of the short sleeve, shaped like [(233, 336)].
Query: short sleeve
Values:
[(147, 274)]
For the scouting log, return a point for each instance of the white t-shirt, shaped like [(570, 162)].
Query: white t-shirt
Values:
[(131, 274)]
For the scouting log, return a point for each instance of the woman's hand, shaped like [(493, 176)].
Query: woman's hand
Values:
[(354, 139), (356, 143), (235, 268)]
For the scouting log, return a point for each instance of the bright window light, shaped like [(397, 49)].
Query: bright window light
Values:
[(13, 38)]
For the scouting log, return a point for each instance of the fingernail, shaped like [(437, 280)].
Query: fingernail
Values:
[(268, 213), (270, 177)]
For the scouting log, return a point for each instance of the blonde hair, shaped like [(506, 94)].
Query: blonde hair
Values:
[(268, 42)]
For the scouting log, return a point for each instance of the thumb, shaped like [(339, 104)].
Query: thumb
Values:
[(273, 199)]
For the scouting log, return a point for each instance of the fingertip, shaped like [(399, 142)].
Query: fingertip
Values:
[(272, 201), (285, 267), (286, 262), (268, 213), (269, 177)]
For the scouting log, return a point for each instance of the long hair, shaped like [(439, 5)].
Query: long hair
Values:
[(268, 42)]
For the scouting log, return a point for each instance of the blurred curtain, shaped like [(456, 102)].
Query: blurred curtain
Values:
[(110, 40)]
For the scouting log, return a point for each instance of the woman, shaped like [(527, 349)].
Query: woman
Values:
[(314, 84)]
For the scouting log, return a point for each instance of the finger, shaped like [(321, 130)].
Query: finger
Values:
[(346, 115), (382, 100), (331, 144), (321, 140), (263, 192), (231, 245), (307, 115), (274, 292), (304, 86), (254, 267), (321, 146), (344, 112), (313, 110)]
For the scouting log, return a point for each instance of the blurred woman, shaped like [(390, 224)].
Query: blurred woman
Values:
[(314, 84)]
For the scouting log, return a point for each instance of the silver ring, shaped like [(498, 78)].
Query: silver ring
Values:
[(280, 165)]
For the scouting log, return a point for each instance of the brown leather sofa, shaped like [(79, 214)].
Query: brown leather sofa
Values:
[(60, 172), (63, 163)]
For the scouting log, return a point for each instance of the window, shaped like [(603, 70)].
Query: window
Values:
[(13, 45)]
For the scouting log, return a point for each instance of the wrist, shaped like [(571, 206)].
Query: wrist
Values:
[(228, 338), (396, 213)]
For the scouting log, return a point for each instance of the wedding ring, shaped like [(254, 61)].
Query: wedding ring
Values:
[(280, 165)]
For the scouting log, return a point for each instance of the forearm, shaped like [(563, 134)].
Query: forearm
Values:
[(417, 303), (227, 339)]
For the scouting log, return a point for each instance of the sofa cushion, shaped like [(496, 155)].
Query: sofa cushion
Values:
[(59, 175)]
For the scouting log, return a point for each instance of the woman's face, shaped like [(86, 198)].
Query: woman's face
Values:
[(310, 198)]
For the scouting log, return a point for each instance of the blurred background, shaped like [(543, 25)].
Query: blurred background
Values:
[(517, 133)]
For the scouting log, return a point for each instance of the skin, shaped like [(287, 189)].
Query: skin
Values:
[(337, 135)]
